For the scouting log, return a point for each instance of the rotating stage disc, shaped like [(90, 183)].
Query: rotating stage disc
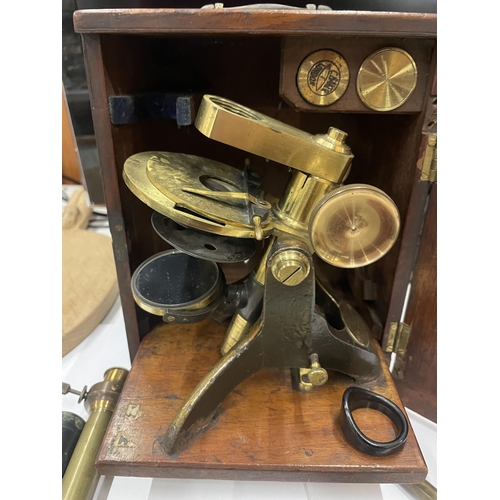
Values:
[(354, 225), (162, 180), (203, 245)]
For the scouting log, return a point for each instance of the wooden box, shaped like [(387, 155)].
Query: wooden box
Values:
[(251, 56)]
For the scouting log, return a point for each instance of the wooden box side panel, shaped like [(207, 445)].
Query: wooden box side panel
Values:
[(415, 373)]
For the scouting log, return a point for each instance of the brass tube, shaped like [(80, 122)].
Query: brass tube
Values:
[(302, 194), (423, 491), (81, 478), (239, 326)]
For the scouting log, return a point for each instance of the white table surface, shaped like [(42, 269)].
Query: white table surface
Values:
[(106, 347)]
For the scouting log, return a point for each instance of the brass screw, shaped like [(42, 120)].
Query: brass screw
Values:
[(290, 267), (67, 388), (171, 318), (316, 375), (259, 234)]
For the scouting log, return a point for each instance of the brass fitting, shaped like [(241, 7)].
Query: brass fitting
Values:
[(238, 327), (231, 123), (105, 394), (334, 139), (80, 479), (313, 376), (316, 375), (290, 267), (300, 198)]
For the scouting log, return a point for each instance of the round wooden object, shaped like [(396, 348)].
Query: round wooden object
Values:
[(89, 282)]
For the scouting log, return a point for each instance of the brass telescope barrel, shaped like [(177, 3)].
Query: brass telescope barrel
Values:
[(423, 491), (80, 479)]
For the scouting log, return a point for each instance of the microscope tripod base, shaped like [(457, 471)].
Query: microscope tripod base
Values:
[(289, 331)]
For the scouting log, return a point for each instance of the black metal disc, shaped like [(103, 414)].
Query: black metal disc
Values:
[(203, 245)]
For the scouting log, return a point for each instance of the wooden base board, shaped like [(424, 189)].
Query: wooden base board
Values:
[(265, 430)]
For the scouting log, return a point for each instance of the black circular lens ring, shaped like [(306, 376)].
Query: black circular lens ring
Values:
[(357, 397)]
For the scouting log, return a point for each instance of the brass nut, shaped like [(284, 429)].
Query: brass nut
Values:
[(290, 267)]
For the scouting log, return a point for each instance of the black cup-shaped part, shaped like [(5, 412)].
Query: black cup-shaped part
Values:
[(174, 279)]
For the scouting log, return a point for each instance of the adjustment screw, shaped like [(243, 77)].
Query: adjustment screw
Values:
[(316, 375), (290, 267), (82, 394)]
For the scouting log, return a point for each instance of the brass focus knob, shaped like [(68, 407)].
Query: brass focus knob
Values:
[(290, 267), (354, 225)]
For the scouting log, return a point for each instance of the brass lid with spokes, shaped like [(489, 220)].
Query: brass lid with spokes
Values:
[(386, 79)]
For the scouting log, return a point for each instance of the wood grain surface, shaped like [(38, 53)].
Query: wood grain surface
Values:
[(409, 243), (264, 431), (416, 375), (272, 21)]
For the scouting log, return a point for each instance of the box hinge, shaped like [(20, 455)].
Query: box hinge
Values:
[(399, 334), (429, 163)]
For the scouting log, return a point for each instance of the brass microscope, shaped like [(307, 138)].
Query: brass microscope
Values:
[(281, 315)]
